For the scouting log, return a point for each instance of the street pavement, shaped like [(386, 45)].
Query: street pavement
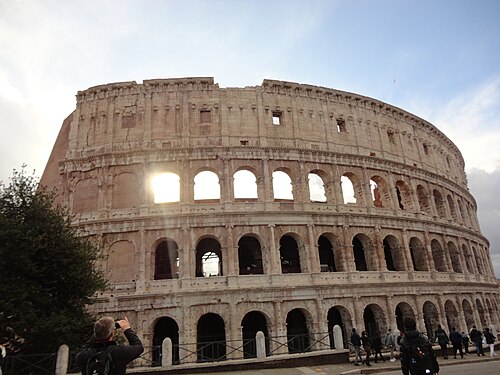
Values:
[(471, 364)]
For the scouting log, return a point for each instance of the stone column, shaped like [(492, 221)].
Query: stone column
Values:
[(447, 256), (281, 331), (390, 313), (406, 251), (347, 250), (379, 249), (141, 250), (313, 256), (274, 252), (430, 258), (231, 253)]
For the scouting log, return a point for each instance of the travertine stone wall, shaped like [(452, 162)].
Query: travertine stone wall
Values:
[(422, 253)]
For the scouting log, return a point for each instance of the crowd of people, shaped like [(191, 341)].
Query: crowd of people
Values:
[(413, 345)]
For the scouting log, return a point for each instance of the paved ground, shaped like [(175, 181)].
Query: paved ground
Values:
[(470, 365)]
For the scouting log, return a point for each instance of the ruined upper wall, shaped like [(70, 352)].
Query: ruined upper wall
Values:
[(196, 112)]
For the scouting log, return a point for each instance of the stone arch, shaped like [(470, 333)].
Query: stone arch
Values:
[(253, 322), (125, 191), (403, 310), (418, 255), (452, 207), (85, 195), (456, 264), (451, 315), (394, 255), (206, 186), (491, 312), (165, 327), (166, 187), (478, 260), (166, 260), (431, 317), (329, 249), (250, 256), (364, 253), (297, 331), (339, 315), (468, 258), (439, 202), (352, 190), (290, 254), (480, 311), (317, 191), (210, 338), (282, 185), (121, 262), (468, 314), (208, 258), (423, 200), (463, 213), (374, 320), (245, 184), (438, 256), (403, 193), (380, 192)]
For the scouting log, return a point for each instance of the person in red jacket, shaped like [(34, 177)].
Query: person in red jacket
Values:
[(121, 355)]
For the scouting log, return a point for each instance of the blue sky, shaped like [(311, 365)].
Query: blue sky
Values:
[(437, 59)]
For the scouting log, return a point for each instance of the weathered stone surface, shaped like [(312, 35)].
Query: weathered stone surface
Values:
[(411, 247)]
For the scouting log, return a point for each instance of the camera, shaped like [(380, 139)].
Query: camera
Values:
[(117, 325)]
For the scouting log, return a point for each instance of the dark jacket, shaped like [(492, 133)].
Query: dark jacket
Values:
[(456, 338), (356, 339), (121, 355), (490, 339), (476, 336), (411, 338)]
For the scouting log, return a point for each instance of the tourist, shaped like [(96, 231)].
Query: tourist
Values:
[(356, 343), (104, 333), (456, 341), (477, 338), (377, 346), (411, 340), (367, 347), (490, 340), (442, 338), (465, 342), (390, 343)]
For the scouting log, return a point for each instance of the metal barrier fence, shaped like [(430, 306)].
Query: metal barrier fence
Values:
[(34, 364), (206, 351)]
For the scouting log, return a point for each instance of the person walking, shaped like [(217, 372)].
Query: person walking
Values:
[(377, 346), (477, 338), (356, 343), (367, 347), (443, 340), (390, 344), (456, 341), (490, 340), (465, 342), (103, 341)]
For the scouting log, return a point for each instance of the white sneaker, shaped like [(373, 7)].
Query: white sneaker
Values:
[(393, 360)]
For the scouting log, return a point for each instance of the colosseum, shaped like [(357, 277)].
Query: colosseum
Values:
[(283, 208)]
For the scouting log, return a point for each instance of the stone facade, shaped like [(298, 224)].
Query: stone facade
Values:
[(405, 243)]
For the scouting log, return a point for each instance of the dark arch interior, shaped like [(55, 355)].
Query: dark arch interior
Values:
[(297, 332), (252, 323), (326, 256), (250, 256), (289, 254), (211, 338), (165, 327)]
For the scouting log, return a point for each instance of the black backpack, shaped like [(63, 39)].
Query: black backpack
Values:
[(420, 357), (100, 363)]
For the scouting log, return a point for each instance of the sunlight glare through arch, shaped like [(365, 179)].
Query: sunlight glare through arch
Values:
[(166, 188)]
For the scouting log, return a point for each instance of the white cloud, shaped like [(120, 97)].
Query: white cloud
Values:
[(472, 121)]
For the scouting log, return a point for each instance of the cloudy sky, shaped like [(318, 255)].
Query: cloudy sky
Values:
[(437, 59)]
